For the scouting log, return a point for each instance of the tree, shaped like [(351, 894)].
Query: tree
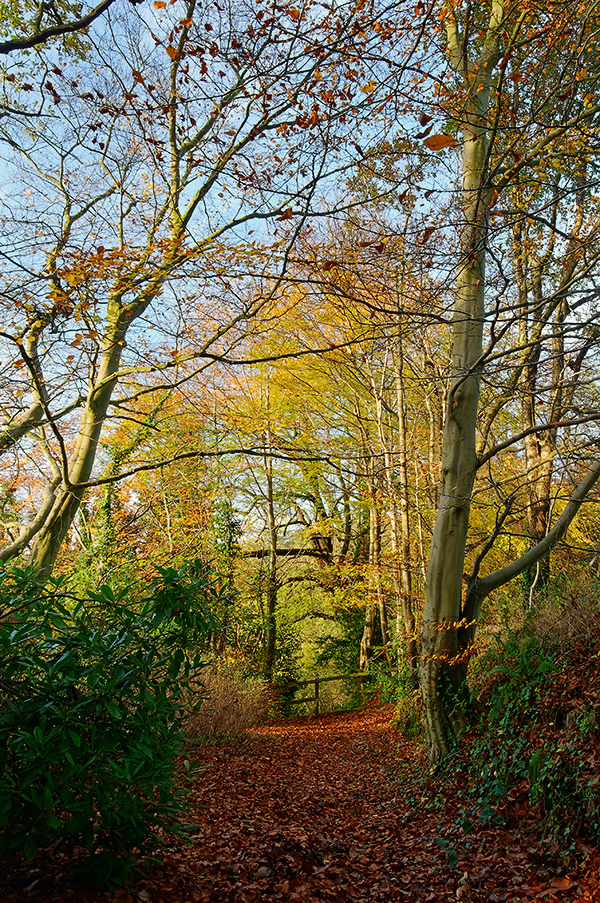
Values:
[(501, 139), (49, 20)]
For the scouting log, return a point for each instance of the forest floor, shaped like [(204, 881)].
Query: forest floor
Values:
[(323, 808)]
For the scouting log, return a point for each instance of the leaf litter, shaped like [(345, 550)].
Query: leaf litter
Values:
[(328, 808)]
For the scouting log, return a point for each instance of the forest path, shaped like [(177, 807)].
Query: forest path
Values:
[(308, 809), (311, 809)]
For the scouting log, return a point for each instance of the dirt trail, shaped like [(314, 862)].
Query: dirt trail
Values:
[(309, 809)]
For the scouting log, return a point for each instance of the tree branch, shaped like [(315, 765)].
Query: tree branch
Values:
[(485, 585), (41, 37), (539, 428)]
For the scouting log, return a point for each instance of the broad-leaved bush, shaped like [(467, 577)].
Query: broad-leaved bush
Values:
[(92, 694)]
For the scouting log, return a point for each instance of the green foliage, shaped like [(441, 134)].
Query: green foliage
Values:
[(500, 756), (90, 717), (343, 650), (515, 747), (287, 656), (227, 528), (401, 687), (286, 669)]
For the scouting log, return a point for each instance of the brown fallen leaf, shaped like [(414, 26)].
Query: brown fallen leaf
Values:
[(439, 141)]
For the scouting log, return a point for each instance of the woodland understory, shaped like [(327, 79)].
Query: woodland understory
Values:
[(338, 808)]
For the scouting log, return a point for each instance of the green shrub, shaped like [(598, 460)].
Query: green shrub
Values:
[(500, 757), (90, 717)]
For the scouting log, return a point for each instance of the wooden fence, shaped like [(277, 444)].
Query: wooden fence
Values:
[(290, 689)]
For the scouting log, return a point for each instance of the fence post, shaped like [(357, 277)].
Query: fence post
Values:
[(316, 694), (361, 691)]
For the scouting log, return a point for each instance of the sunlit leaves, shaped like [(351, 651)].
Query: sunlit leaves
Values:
[(440, 141)]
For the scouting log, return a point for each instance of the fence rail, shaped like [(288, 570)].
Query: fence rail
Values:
[(316, 681)]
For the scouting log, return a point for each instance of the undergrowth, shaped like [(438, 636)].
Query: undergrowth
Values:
[(92, 701), (538, 731), (532, 760), (234, 703)]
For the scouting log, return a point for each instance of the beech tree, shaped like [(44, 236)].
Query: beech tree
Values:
[(502, 137), (47, 21)]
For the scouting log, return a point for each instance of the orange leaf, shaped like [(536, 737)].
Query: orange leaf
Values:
[(495, 196), (137, 76), (370, 86), (439, 141), (427, 234), (294, 13), (287, 214), (160, 4), (172, 52), (330, 265), (187, 23)]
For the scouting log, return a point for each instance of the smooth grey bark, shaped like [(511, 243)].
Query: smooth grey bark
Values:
[(374, 596), (78, 470), (403, 545), (535, 314), (440, 678), (272, 585), (42, 35)]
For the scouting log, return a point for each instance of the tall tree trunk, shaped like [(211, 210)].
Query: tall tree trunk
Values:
[(68, 495), (396, 525), (405, 609), (442, 679), (536, 313), (272, 587), (375, 601)]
